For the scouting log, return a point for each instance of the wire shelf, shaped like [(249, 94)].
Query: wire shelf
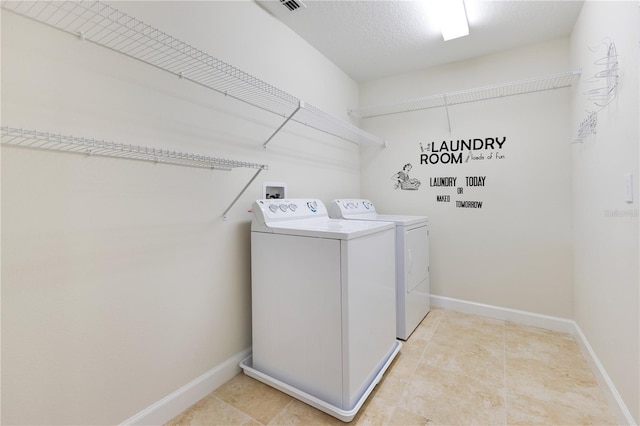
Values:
[(555, 81), (106, 26), (80, 145), (33, 139)]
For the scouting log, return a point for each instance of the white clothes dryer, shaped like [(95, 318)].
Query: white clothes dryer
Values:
[(323, 309), (413, 296)]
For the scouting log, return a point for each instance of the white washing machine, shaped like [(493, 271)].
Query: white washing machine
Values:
[(412, 259), (323, 304)]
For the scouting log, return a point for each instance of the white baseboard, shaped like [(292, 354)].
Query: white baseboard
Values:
[(620, 410), (175, 403), (521, 317), (622, 413)]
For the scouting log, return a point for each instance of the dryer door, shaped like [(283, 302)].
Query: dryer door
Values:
[(417, 260)]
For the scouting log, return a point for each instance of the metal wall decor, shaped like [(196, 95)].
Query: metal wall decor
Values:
[(606, 90)]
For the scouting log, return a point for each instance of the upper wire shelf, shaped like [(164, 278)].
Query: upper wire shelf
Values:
[(106, 26), (550, 82), (57, 142)]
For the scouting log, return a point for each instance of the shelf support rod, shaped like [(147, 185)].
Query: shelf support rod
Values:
[(300, 105), (446, 107), (224, 215)]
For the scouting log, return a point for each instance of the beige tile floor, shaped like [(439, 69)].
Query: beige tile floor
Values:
[(456, 369)]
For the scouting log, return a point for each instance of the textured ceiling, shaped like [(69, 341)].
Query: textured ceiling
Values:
[(370, 39)]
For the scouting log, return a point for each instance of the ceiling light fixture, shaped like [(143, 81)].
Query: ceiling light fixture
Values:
[(452, 18)]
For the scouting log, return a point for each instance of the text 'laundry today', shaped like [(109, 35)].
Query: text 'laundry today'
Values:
[(451, 181)]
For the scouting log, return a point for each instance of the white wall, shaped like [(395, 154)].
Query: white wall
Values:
[(515, 251), (120, 281), (605, 226)]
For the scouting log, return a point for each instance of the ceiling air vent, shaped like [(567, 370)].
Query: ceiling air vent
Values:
[(292, 5)]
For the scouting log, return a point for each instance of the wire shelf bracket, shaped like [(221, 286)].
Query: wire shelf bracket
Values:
[(33, 139), (300, 105), (99, 23)]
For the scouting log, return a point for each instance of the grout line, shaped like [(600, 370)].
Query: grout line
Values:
[(237, 409), (281, 411), (404, 390)]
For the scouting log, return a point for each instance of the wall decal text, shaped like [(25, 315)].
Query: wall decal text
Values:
[(469, 204), (451, 152), (442, 181)]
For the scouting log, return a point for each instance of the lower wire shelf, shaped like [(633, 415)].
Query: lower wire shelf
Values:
[(33, 139)]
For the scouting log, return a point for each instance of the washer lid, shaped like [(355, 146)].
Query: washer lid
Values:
[(339, 229)]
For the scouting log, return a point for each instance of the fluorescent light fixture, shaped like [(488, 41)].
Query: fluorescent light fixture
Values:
[(452, 18)]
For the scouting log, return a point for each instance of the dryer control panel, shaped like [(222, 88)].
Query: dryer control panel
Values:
[(268, 210), (348, 207)]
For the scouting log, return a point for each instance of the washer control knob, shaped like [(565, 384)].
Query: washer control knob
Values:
[(283, 207), (273, 208), (293, 207)]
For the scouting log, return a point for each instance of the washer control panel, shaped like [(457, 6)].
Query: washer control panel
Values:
[(353, 206), (270, 210)]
